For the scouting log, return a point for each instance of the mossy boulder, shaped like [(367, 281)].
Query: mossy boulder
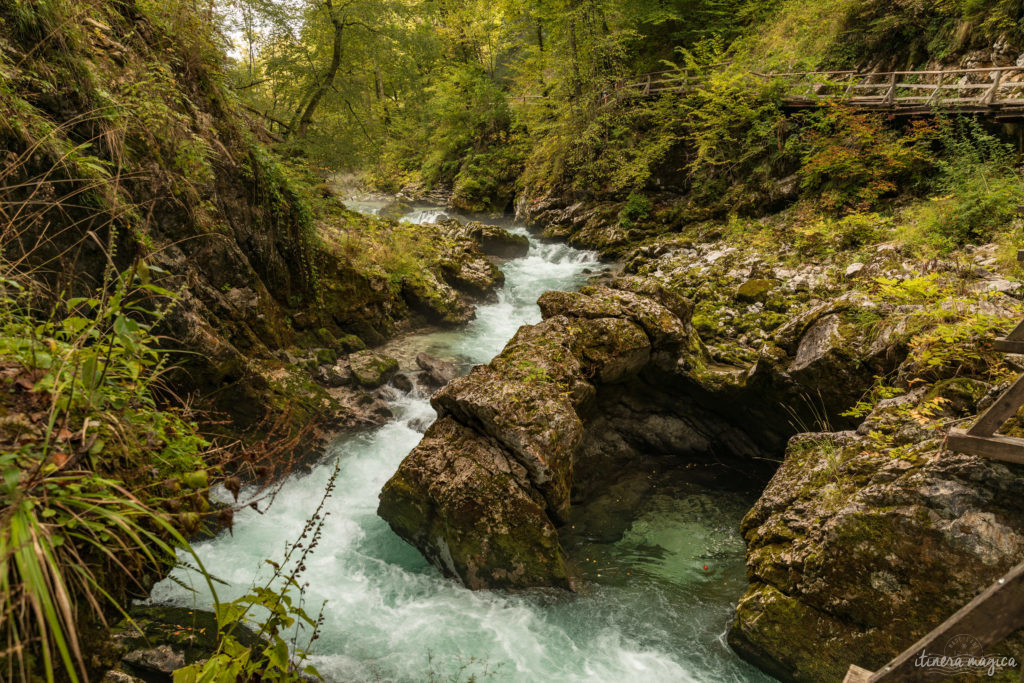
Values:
[(460, 262), (471, 509), (754, 290), (371, 369), (349, 343), (861, 544), (484, 492)]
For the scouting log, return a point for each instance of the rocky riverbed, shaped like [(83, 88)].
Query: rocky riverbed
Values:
[(846, 367)]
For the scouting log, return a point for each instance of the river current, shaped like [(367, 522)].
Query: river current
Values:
[(660, 584)]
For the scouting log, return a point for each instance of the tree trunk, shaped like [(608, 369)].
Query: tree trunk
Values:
[(327, 81)]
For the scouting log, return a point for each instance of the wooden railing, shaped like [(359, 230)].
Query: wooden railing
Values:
[(993, 90)]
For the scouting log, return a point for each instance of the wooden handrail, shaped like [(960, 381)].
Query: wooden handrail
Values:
[(876, 91)]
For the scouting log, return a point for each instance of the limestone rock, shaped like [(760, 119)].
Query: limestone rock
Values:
[(436, 372), (161, 659), (402, 382), (484, 491), (853, 553), (469, 508), (371, 369), (495, 241), (754, 290), (334, 375), (462, 264)]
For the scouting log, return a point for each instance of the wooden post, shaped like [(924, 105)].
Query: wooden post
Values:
[(647, 87), (890, 97), (993, 94), (851, 79), (938, 88)]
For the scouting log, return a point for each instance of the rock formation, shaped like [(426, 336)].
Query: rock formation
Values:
[(611, 373)]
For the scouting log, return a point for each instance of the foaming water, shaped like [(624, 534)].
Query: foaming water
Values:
[(648, 612)]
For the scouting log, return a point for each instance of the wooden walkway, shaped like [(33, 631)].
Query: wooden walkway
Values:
[(996, 92)]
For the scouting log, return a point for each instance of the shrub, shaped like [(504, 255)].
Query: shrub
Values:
[(637, 208), (980, 191), (851, 160)]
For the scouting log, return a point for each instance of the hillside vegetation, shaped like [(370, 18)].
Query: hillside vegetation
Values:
[(175, 265)]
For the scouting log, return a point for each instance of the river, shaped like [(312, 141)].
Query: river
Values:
[(661, 582)]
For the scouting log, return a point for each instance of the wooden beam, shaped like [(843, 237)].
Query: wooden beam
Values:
[(1017, 334), (990, 617), (857, 675), (1005, 448), (1008, 345), (1005, 407)]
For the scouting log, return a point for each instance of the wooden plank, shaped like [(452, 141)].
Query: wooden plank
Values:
[(1008, 345), (1004, 448), (857, 675), (1002, 410), (992, 615)]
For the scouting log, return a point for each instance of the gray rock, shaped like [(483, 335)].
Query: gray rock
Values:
[(436, 372), (371, 369), (160, 659), (333, 375), (854, 269), (402, 382)]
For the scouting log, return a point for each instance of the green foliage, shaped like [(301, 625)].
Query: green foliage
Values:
[(277, 616), (733, 125), (948, 335), (830, 235), (980, 191), (72, 532), (637, 208), (851, 160)]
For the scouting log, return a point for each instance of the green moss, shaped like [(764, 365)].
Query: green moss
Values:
[(754, 290)]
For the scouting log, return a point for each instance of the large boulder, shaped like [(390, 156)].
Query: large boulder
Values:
[(861, 543), (471, 509), (484, 492), (462, 264)]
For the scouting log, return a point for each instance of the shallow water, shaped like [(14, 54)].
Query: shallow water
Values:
[(648, 610)]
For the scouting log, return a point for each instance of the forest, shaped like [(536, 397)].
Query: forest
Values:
[(521, 340)]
